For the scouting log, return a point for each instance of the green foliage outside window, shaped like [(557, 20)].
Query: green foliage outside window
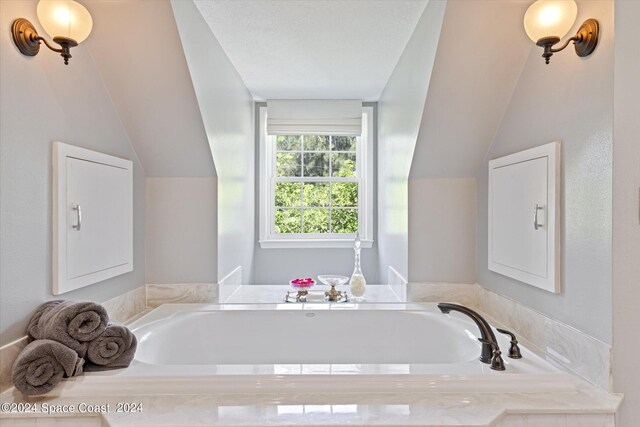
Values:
[(288, 221), (316, 207)]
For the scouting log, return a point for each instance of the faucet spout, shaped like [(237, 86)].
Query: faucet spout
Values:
[(488, 339)]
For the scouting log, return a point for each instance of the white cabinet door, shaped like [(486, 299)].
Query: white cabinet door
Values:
[(92, 217), (524, 216), (100, 192), (517, 189)]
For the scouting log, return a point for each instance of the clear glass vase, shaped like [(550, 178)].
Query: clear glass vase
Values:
[(357, 283)]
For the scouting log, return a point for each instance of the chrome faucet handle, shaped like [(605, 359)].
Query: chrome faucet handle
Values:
[(497, 364), (514, 350)]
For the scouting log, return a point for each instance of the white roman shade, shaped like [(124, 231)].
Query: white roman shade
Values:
[(317, 116)]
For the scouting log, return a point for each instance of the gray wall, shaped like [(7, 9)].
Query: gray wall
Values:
[(442, 221), (41, 101), (571, 100), (150, 85), (461, 114), (626, 218), (181, 230), (226, 107), (400, 109), (269, 263), (278, 266), (470, 88)]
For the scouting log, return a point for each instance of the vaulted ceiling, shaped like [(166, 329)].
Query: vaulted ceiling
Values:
[(310, 49), (313, 49), (136, 46), (481, 53)]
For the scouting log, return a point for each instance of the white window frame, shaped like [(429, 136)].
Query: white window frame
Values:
[(364, 163)]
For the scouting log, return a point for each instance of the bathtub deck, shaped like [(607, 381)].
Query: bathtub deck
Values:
[(275, 294), (578, 405), (587, 407)]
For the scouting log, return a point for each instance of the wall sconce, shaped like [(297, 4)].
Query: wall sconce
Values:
[(547, 21), (66, 21)]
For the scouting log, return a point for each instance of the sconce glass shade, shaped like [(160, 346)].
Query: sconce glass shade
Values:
[(65, 18), (550, 18)]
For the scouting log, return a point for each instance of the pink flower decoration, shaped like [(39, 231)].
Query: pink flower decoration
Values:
[(303, 282)]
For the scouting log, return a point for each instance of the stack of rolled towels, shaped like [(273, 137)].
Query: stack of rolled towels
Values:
[(70, 337)]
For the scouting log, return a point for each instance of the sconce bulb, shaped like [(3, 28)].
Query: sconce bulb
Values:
[(62, 16), (550, 18), (65, 18)]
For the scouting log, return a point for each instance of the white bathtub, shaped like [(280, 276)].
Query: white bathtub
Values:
[(307, 337), (314, 347)]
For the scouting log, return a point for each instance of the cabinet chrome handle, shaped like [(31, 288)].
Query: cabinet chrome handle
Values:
[(78, 210), (536, 208)]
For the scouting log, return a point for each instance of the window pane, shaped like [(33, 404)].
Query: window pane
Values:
[(288, 142), (344, 220), (343, 165), (288, 194), (316, 143), (343, 143), (288, 164), (344, 194), (316, 164), (288, 221), (316, 194), (316, 220)]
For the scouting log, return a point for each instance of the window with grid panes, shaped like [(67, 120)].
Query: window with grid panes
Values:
[(317, 186)]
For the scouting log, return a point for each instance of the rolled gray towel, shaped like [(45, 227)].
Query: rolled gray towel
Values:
[(42, 364), (72, 323), (113, 349)]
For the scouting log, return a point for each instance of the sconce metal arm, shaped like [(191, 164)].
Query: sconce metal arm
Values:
[(572, 39), (28, 40), (585, 41), (547, 44), (42, 39), (65, 44)]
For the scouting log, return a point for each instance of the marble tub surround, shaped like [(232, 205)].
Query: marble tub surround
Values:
[(122, 308), (158, 294), (557, 420), (8, 354), (561, 344), (585, 408), (461, 293), (274, 294), (87, 421), (126, 306), (225, 292), (582, 406), (397, 283), (229, 284)]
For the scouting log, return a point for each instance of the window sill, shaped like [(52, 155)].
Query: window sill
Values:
[(311, 243)]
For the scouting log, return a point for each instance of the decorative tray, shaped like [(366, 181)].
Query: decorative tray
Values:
[(314, 296)]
